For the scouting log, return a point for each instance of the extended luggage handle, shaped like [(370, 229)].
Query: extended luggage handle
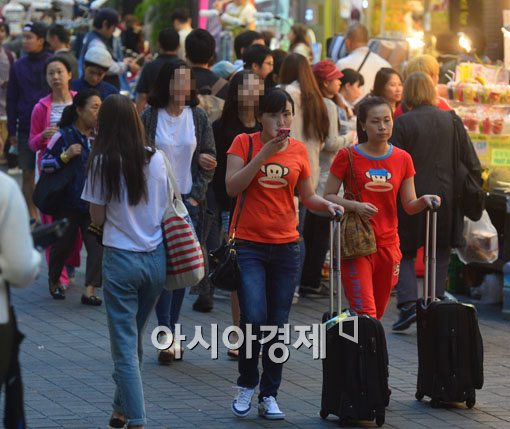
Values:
[(334, 269), (430, 229)]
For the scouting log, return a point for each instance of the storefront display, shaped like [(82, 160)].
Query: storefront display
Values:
[(482, 100), (481, 97)]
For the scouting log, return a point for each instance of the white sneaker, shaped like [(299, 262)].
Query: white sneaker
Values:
[(178, 351), (269, 409), (241, 405), (295, 298)]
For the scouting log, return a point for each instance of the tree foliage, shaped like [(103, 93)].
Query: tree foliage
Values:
[(156, 14)]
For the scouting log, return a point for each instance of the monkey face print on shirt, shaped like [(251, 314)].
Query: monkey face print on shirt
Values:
[(274, 176), (379, 180)]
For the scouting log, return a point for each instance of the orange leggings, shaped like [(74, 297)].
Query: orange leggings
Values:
[(368, 281)]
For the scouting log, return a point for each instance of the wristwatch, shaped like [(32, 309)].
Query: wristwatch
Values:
[(64, 157)]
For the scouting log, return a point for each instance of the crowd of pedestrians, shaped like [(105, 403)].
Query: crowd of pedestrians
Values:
[(267, 149)]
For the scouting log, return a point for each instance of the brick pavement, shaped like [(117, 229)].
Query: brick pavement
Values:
[(67, 372)]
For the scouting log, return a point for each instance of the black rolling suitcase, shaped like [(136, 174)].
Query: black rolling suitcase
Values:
[(355, 375), (450, 347)]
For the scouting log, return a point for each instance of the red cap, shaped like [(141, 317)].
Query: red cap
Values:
[(326, 70)]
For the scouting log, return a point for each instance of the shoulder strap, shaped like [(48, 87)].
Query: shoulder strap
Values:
[(171, 178), (67, 135), (243, 196), (456, 142), (364, 60), (218, 86), (352, 179)]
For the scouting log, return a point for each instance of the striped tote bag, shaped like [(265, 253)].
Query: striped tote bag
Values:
[(185, 265)]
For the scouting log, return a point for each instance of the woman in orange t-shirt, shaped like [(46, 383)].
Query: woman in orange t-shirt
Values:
[(267, 240), (382, 172)]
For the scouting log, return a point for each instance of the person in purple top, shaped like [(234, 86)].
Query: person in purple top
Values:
[(27, 85)]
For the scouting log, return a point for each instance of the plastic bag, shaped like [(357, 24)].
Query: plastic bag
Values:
[(481, 241)]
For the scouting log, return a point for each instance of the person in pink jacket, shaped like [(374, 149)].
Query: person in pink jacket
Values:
[(44, 123)]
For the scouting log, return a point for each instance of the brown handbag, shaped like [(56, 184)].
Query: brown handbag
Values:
[(357, 238)]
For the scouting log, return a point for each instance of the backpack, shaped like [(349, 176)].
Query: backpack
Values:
[(210, 102)]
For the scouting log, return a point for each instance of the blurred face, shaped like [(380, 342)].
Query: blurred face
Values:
[(272, 122), (94, 75), (57, 75), (88, 114), (249, 92), (255, 42), (31, 43), (351, 91), (393, 89), (265, 68), (291, 36), (3, 34), (53, 42), (180, 86), (379, 124), (177, 25), (107, 30), (332, 87)]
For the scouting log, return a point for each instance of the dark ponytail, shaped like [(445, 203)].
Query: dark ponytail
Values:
[(70, 114)]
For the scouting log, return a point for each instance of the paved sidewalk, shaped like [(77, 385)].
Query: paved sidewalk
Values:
[(67, 372)]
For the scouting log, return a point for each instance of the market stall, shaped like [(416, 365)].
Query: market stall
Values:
[(480, 95)]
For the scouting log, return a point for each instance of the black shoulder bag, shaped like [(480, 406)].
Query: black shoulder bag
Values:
[(468, 193), (225, 271)]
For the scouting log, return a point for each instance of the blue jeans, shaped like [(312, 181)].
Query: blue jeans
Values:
[(132, 281), (269, 274), (168, 307)]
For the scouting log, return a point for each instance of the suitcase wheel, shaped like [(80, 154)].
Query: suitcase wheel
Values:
[(379, 420), (343, 422), (470, 402), (434, 403), (324, 414), (419, 396)]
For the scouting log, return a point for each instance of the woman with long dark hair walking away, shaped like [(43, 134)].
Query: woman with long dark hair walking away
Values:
[(128, 192)]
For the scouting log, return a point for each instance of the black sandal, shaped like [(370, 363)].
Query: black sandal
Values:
[(91, 300), (57, 292), (116, 423)]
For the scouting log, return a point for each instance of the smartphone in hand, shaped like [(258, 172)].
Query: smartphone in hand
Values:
[(283, 132)]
